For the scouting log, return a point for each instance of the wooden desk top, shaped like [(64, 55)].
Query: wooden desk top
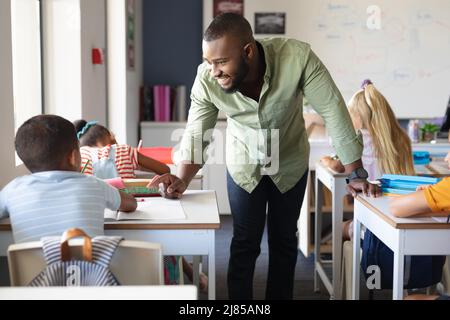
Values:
[(437, 143), (380, 207), (200, 207), (437, 168)]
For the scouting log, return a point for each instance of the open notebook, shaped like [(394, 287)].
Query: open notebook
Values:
[(150, 209)]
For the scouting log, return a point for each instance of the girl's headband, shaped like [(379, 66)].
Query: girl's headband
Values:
[(85, 128)]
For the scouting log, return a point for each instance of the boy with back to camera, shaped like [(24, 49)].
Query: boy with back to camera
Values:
[(56, 196)]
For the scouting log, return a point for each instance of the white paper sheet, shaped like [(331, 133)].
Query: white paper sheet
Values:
[(155, 209)]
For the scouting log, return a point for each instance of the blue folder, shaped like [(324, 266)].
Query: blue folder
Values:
[(402, 184)]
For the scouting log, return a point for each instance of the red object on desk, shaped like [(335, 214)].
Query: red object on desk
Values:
[(162, 154), (116, 182)]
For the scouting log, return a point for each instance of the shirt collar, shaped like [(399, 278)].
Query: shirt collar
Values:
[(262, 46)]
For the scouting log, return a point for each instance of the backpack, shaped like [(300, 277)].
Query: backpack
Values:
[(420, 271), (104, 168), (92, 271)]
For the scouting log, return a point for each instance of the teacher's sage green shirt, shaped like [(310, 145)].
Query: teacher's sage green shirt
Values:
[(269, 137)]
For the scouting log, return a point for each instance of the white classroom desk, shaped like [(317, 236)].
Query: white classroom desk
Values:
[(336, 183), (169, 292), (319, 147), (437, 149), (194, 235), (404, 236), (437, 168)]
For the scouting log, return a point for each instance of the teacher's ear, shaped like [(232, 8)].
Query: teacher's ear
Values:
[(249, 50)]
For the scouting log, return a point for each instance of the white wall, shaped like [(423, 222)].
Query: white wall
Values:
[(123, 103), (116, 54), (134, 81), (403, 46), (292, 8), (62, 58), (123, 84), (8, 169), (26, 47), (75, 88), (93, 77)]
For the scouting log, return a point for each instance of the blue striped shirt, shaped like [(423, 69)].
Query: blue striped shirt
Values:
[(48, 203)]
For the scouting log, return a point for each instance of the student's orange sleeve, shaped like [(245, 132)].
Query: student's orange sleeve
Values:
[(438, 196)]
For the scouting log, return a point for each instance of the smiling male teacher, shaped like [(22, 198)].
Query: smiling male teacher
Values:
[(260, 86)]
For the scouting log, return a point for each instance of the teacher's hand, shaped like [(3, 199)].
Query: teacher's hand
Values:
[(364, 186), (170, 185)]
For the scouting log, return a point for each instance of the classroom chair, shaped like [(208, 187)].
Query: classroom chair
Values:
[(133, 263)]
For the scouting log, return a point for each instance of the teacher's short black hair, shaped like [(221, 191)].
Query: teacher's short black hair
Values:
[(44, 142), (231, 24)]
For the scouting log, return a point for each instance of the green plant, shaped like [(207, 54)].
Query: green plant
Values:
[(429, 128)]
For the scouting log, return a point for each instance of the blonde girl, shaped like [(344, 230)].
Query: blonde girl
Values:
[(387, 148)]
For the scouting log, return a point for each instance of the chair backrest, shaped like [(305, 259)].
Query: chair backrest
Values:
[(133, 263)]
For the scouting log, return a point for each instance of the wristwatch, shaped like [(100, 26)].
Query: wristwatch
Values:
[(358, 174)]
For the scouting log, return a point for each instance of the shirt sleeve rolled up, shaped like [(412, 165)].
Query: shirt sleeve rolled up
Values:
[(321, 91), (201, 120)]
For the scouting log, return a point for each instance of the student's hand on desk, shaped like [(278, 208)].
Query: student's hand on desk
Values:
[(170, 185), (422, 187), (364, 186)]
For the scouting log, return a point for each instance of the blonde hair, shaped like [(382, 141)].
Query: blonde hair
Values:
[(392, 145)]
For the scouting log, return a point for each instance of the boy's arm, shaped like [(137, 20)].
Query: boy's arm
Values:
[(117, 200), (152, 164), (3, 212), (127, 202), (409, 205)]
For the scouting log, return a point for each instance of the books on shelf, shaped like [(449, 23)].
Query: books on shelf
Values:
[(163, 103), (150, 209)]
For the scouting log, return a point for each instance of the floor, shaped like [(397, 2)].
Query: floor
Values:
[(303, 286)]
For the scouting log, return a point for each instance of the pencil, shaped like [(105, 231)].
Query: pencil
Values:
[(85, 166)]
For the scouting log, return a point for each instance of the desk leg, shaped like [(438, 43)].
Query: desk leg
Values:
[(212, 266), (317, 230), (399, 267), (356, 254), (196, 271), (337, 218)]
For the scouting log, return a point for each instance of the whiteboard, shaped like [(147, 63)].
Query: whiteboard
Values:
[(407, 58)]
